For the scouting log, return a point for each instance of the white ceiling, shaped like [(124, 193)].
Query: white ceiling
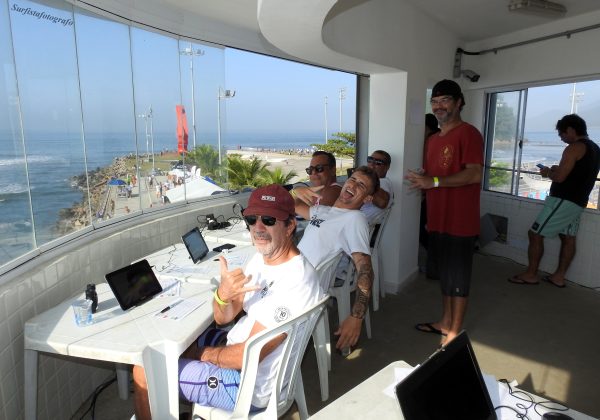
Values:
[(471, 20), (474, 20)]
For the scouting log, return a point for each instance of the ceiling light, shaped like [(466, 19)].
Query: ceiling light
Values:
[(538, 7)]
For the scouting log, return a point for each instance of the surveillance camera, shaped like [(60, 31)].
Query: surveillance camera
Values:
[(471, 75)]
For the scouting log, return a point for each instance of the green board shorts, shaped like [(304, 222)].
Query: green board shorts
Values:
[(558, 216)]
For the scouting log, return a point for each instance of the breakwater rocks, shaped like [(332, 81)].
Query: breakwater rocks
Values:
[(78, 215)]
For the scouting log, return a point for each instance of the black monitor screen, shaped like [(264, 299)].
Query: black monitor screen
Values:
[(134, 284), (448, 386), (194, 242)]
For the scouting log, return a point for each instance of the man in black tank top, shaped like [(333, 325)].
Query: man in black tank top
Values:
[(572, 182)]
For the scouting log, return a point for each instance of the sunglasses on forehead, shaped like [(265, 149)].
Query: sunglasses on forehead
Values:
[(319, 168), (377, 162), (266, 220)]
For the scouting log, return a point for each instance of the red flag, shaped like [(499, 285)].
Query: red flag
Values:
[(182, 129)]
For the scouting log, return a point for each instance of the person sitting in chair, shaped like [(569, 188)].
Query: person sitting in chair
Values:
[(277, 284)]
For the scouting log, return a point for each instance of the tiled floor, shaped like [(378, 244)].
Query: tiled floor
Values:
[(544, 337)]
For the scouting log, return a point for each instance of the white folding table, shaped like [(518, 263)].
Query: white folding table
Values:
[(135, 336)]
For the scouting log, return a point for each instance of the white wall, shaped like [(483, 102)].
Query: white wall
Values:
[(546, 62), (65, 383)]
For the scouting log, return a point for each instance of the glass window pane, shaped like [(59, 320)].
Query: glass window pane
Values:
[(15, 214), (156, 82), (502, 150), (108, 115), (50, 104)]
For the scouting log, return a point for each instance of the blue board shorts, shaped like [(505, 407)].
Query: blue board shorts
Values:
[(207, 384), (558, 216)]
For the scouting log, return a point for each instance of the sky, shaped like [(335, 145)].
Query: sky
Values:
[(271, 94)]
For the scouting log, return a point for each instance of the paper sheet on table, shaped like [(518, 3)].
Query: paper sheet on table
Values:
[(197, 270), (181, 308), (235, 260), (171, 287)]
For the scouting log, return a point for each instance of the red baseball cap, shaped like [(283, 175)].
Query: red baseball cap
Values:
[(272, 200)]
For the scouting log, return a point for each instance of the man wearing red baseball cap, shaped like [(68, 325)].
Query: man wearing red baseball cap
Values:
[(278, 283)]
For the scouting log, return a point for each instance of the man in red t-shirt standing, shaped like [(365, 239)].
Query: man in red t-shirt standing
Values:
[(452, 178)]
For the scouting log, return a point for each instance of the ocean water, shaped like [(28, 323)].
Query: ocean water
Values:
[(52, 159)]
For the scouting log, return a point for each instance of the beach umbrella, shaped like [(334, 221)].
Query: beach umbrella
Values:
[(115, 181)]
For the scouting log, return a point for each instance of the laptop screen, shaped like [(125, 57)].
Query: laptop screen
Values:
[(134, 284), (448, 386), (194, 242)]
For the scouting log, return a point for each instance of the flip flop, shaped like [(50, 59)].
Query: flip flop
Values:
[(549, 280), (519, 280), (428, 327)]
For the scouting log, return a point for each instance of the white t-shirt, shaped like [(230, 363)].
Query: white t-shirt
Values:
[(331, 230), (371, 210), (288, 289)]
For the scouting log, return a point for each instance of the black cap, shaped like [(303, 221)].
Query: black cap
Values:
[(448, 87)]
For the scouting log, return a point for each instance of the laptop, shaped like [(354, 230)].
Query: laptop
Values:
[(448, 386), (134, 284), (194, 243)]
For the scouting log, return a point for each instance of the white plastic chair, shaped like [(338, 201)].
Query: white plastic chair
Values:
[(288, 384), (321, 334), (377, 277)]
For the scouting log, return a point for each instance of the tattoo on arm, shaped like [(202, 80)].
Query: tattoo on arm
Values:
[(363, 283)]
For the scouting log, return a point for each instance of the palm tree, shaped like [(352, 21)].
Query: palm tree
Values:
[(205, 157), (277, 176), (245, 173)]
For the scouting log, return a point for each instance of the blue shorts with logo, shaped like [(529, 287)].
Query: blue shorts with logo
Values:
[(207, 384)]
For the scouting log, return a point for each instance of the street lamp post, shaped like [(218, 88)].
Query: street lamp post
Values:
[(221, 94), (342, 97), (326, 135), (145, 117), (193, 53), (150, 116)]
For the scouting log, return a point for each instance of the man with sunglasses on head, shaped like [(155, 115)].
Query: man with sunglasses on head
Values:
[(452, 181), (343, 227), (379, 161), (321, 174), (277, 283)]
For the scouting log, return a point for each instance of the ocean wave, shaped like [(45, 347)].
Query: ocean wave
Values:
[(15, 226), (13, 189), (19, 161)]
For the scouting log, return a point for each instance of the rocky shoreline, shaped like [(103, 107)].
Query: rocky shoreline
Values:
[(77, 216)]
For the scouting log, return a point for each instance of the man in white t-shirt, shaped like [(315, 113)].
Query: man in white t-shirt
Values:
[(379, 161), (343, 227), (278, 283)]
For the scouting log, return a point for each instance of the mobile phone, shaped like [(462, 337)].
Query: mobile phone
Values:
[(222, 247), (539, 165)]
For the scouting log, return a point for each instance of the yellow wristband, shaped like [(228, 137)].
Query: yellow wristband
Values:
[(293, 193), (218, 299), (436, 182)]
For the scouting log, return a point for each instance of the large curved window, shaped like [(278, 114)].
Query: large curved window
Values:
[(101, 121)]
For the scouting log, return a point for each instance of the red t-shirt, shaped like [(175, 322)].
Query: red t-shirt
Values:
[(454, 210)]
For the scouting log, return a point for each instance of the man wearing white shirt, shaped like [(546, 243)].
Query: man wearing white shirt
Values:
[(278, 283), (379, 161), (342, 227)]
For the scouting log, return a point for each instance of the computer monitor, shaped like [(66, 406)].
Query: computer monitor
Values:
[(447, 386)]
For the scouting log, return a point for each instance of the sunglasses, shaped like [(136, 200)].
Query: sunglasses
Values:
[(377, 162), (319, 168), (266, 220)]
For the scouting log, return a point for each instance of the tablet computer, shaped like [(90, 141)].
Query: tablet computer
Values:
[(134, 284), (195, 245)]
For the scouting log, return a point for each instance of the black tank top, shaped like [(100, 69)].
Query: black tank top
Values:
[(580, 182)]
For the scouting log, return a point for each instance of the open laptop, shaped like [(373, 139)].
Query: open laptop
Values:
[(194, 243), (134, 284), (448, 386)]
